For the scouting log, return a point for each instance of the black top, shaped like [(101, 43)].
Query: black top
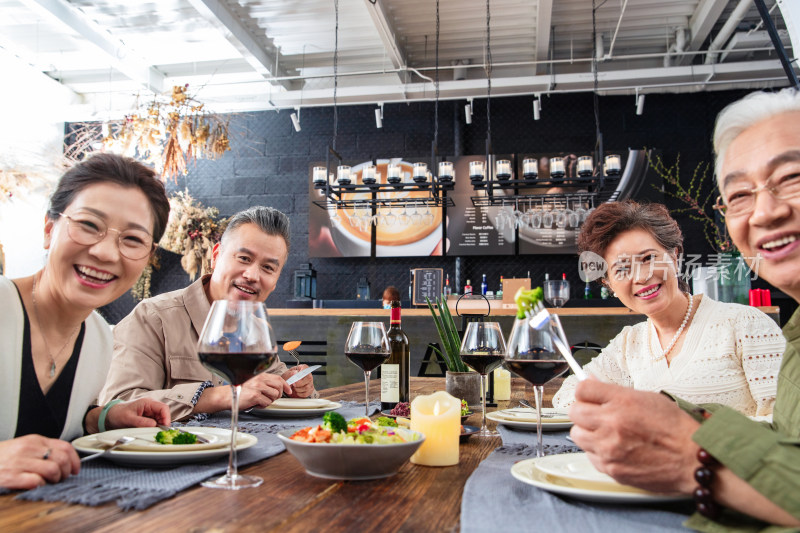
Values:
[(44, 414)]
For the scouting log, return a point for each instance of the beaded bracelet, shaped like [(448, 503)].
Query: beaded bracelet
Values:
[(101, 421), (704, 475)]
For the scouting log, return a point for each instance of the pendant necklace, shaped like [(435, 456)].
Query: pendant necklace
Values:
[(677, 333), (44, 337)]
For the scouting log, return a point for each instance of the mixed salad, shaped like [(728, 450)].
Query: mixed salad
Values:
[(334, 429)]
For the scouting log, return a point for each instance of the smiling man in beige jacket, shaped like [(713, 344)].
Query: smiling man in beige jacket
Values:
[(155, 354)]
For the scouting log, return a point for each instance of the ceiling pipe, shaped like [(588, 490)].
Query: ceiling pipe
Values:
[(727, 30), (677, 47), (616, 31)]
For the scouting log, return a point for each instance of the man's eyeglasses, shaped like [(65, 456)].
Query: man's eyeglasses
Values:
[(88, 229), (742, 201)]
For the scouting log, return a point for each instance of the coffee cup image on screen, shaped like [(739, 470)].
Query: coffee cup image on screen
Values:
[(412, 229)]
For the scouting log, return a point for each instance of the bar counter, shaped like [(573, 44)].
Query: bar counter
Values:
[(588, 330)]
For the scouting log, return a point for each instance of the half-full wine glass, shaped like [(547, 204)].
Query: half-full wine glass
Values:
[(556, 292), (532, 356), (237, 343), (367, 347), (482, 350)]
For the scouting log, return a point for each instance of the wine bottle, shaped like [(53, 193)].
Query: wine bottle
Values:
[(395, 371)]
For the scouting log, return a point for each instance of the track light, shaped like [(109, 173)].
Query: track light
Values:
[(379, 116), (639, 102), (468, 111), (296, 119), (536, 108)]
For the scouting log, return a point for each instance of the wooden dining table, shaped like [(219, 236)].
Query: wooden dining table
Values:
[(417, 498)]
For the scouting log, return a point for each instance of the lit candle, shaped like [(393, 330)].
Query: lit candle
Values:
[(368, 175), (530, 168), (446, 173), (420, 170), (585, 166), (612, 164), (476, 170), (343, 175), (319, 175), (438, 417), (503, 169), (393, 174), (557, 167), (502, 384)]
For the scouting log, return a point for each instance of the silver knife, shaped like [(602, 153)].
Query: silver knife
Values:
[(303, 373)]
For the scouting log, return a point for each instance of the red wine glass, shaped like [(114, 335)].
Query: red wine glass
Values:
[(367, 347), (482, 349)]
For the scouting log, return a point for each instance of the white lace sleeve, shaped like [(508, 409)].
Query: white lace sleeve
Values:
[(760, 344), (608, 366)]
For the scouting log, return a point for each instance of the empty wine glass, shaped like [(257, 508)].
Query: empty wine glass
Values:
[(556, 292), (531, 355), (367, 347), (237, 343), (483, 349)]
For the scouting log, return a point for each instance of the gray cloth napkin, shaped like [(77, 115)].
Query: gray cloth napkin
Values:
[(494, 500), (102, 481)]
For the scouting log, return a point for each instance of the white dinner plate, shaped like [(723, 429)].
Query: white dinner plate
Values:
[(572, 466), (552, 419), (146, 442), (602, 492), (158, 457), (282, 412)]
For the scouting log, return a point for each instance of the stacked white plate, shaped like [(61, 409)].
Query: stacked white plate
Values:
[(297, 407), (524, 418), (571, 474)]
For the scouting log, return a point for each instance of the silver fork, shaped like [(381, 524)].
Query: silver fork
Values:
[(291, 348), (539, 318), (120, 442)]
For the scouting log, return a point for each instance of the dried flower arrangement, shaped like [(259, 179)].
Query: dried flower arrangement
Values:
[(192, 231), (698, 197), (12, 182), (169, 133)]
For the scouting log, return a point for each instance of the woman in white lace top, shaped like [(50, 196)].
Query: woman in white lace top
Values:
[(694, 347)]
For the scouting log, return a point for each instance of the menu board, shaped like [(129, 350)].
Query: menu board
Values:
[(474, 230), (427, 284)]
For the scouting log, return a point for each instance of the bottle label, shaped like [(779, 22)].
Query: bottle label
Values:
[(394, 316), (390, 383)]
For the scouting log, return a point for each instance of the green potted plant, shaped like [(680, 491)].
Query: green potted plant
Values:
[(459, 380)]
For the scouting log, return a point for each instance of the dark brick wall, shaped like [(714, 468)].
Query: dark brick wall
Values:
[(269, 165)]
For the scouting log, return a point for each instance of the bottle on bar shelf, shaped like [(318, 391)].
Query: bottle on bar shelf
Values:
[(467, 288), (499, 292), (395, 371), (484, 285), (447, 290), (587, 292)]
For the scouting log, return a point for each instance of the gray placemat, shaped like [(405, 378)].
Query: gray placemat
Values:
[(494, 500), (510, 435), (101, 481)]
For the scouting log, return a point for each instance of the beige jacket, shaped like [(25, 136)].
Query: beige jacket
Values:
[(155, 351)]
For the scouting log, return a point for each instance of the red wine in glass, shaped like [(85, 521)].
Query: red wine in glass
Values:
[(238, 367), (367, 360), (483, 363), (537, 371)]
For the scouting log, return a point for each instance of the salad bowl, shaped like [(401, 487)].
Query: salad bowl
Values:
[(353, 461)]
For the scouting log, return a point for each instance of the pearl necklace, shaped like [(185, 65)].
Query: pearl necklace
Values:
[(677, 333)]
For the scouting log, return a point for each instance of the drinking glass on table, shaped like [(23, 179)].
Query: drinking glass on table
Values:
[(482, 350), (556, 292), (532, 356), (237, 343), (367, 347)]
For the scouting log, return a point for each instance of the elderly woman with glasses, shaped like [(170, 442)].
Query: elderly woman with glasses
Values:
[(101, 227), (693, 347)]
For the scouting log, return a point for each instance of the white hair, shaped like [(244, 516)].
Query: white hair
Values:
[(740, 115)]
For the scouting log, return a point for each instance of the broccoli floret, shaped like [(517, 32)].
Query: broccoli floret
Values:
[(166, 437), (386, 421), (334, 422), (527, 300), (173, 436)]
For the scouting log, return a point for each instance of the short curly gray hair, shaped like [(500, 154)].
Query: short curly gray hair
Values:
[(742, 114)]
